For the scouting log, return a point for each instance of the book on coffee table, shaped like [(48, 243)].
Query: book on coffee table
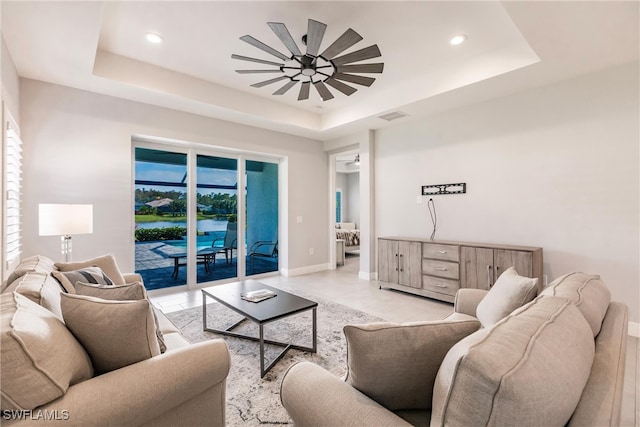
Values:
[(259, 295)]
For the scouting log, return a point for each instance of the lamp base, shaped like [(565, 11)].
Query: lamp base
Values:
[(66, 247)]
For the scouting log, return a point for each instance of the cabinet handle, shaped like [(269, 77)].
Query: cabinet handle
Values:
[(396, 268), (442, 252), (401, 255), (402, 269), (488, 276), (441, 286), (441, 268)]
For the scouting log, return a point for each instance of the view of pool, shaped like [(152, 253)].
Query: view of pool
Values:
[(203, 242), (202, 224)]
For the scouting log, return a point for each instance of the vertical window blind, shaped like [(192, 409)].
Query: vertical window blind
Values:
[(12, 192)]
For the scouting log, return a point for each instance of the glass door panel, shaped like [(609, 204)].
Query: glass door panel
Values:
[(217, 210), (261, 217), (160, 217)]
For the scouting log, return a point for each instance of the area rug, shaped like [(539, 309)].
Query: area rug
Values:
[(255, 401)]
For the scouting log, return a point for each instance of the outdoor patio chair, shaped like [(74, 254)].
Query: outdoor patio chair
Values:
[(229, 243), (263, 249)]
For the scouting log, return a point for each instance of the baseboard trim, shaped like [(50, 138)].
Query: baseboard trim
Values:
[(634, 329), (303, 270), (363, 275)]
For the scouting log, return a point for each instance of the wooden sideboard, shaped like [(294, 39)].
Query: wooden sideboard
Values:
[(437, 269)]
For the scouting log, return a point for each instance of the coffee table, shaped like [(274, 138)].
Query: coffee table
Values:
[(282, 305)]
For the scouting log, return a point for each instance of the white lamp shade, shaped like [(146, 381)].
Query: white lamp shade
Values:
[(65, 220)]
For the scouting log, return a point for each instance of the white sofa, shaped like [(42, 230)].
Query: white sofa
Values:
[(558, 360), (42, 384)]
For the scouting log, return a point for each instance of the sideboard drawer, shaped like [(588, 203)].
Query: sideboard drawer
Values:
[(444, 252), (442, 286), (448, 269)]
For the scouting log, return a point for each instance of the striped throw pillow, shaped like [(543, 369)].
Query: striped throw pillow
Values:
[(94, 275)]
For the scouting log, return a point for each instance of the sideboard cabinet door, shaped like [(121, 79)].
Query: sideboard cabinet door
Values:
[(477, 267), (388, 260), (522, 261), (410, 264)]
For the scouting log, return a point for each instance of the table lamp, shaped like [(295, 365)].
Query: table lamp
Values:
[(65, 220)]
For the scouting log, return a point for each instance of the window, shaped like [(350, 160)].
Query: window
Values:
[(12, 157)]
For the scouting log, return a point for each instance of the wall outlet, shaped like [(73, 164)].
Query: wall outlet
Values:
[(311, 251), (299, 219)]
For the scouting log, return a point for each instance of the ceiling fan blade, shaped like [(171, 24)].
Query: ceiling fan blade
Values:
[(361, 80), (344, 42), (358, 55), (268, 82), (323, 91), (344, 88), (257, 43), (362, 68), (286, 87), (259, 61), (258, 71), (285, 37), (315, 33), (304, 91)]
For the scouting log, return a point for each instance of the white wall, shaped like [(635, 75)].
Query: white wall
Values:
[(10, 82), (341, 184), (555, 167), (78, 150), (353, 201)]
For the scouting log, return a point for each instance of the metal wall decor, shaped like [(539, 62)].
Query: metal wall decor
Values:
[(440, 189)]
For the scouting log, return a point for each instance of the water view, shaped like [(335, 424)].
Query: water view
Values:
[(202, 224)]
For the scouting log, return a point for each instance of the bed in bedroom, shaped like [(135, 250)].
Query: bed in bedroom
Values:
[(347, 231)]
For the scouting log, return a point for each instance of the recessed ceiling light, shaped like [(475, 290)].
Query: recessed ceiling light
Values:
[(153, 38), (459, 39)]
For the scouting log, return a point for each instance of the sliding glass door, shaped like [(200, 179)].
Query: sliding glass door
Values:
[(217, 218), (161, 217), (262, 217), (193, 226)]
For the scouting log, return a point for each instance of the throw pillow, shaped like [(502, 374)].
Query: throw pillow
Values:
[(587, 292), (34, 264), (128, 292), (396, 365), (114, 333), (68, 279), (510, 291), (40, 358), (528, 369), (40, 288), (107, 263)]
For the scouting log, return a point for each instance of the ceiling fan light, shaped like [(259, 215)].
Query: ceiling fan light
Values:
[(153, 38), (317, 69), (459, 39)]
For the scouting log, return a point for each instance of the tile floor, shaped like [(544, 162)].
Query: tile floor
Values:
[(343, 286)]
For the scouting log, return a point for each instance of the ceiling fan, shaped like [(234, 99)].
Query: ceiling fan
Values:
[(315, 68), (348, 161)]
